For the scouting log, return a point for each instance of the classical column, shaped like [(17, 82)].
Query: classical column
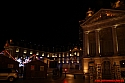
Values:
[(97, 42), (114, 36), (86, 44)]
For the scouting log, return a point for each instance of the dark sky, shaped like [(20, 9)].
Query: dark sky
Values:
[(47, 22)]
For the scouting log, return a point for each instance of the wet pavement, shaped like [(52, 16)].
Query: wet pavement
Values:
[(68, 79), (78, 79)]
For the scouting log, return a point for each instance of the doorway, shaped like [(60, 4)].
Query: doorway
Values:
[(106, 71)]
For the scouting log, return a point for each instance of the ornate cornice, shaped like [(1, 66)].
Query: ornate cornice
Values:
[(104, 23)]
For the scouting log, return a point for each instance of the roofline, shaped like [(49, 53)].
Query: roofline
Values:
[(99, 11)]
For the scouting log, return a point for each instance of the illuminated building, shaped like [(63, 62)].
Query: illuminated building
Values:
[(70, 59), (104, 44)]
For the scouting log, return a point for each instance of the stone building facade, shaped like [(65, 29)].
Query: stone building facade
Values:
[(104, 44)]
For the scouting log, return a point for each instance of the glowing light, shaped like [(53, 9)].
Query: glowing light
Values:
[(31, 52), (65, 70), (53, 56), (25, 51), (77, 53), (77, 61), (19, 60), (85, 68), (17, 50), (41, 57), (59, 55), (67, 54), (42, 54), (37, 53), (70, 54), (56, 55), (63, 55), (48, 55)]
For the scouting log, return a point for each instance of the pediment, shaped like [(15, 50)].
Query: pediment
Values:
[(104, 14)]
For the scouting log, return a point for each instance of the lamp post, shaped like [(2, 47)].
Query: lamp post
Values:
[(65, 72)]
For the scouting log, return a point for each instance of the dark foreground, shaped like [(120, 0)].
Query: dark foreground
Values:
[(68, 79)]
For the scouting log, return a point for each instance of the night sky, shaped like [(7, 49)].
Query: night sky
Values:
[(49, 22)]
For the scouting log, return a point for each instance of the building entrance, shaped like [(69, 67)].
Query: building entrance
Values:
[(106, 70)]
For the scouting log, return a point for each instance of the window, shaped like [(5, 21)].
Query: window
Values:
[(25, 51), (77, 58), (59, 55), (77, 61), (42, 54), (37, 53), (53, 55), (31, 52), (48, 55), (67, 58), (63, 55), (67, 54), (59, 59), (77, 53), (74, 53), (41, 68), (17, 50)]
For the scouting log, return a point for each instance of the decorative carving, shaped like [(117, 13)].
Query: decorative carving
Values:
[(119, 4), (105, 23), (90, 12), (104, 14)]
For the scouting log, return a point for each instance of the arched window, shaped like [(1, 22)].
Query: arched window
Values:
[(17, 49)]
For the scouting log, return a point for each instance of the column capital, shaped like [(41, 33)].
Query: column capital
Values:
[(115, 26), (86, 32), (97, 30)]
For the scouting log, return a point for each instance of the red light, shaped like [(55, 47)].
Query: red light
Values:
[(65, 70)]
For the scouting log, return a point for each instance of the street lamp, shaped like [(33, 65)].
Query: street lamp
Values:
[(65, 72)]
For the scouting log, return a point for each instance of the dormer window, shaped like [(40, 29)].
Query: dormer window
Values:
[(37, 53), (25, 51), (31, 52), (17, 50)]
